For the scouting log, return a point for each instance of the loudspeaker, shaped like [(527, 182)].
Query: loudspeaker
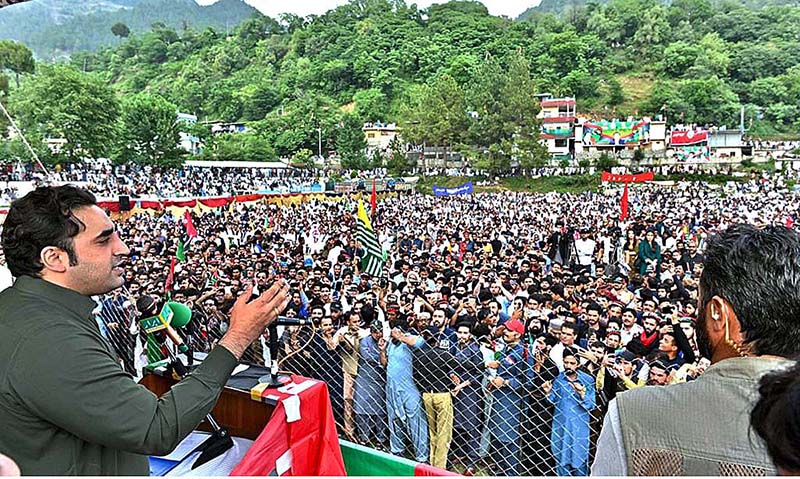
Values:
[(124, 203)]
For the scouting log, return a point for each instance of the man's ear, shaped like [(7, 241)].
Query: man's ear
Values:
[(54, 259), (719, 312)]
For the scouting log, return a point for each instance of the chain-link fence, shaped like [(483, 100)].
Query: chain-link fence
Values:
[(459, 398)]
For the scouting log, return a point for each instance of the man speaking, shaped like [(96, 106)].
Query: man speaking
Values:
[(66, 405), (747, 325)]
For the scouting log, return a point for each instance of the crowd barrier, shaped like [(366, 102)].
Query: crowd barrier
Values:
[(463, 427)]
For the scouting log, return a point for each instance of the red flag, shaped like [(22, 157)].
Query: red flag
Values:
[(190, 230), (170, 275), (624, 204), (373, 201)]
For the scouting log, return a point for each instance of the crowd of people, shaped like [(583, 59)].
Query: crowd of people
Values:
[(106, 180), (502, 323)]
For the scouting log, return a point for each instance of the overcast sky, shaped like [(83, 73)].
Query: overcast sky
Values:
[(271, 8)]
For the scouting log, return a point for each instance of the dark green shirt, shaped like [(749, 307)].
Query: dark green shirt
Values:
[(66, 405)]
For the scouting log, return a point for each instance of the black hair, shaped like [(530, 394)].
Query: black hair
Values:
[(44, 217), (481, 330), (776, 416), (595, 307), (758, 272), (570, 325)]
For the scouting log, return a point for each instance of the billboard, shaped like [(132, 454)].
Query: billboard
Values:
[(616, 132)]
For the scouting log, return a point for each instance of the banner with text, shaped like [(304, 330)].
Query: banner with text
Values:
[(465, 189), (612, 178)]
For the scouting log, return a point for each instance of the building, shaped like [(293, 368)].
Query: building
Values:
[(725, 143), (567, 135), (558, 118), (219, 127), (379, 135), (189, 142)]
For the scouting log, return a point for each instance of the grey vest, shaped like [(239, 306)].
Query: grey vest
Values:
[(699, 428)]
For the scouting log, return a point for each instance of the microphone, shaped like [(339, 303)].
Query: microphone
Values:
[(161, 322), (284, 321)]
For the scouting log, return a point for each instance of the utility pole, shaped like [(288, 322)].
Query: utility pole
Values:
[(319, 142)]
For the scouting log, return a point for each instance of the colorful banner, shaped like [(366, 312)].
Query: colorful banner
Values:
[(615, 133), (688, 137), (364, 461), (612, 178), (693, 153), (465, 189), (549, 133)]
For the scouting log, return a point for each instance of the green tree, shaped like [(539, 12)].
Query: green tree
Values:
[(351, 144), (61, 102), (606, 162), (153, 50), (437, 114), (615, 95), (678, 58), (399, 162), (150, 131), (120, 30), (371, 105), (518, 113), (248, 146), (752, 61), (303, 158), (711, 99), (16, 57), (767, 91)]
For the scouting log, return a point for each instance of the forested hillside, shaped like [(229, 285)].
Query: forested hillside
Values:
[(455, 76), (58, 28)]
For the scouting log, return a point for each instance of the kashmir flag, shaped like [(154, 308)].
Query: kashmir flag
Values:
[(372, 263)]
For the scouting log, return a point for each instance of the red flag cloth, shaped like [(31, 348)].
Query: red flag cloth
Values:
[(431, 471), (112, 206), (373, 200), (151, 205), (624, 204), (190, 231), (612, 178), (170, 275), (307, 447), (248, 198), (216, 202)]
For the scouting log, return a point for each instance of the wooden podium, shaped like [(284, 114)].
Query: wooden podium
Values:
[(235, 409)]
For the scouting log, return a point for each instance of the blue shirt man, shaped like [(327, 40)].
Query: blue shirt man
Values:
[(573, 394), (404, 402)]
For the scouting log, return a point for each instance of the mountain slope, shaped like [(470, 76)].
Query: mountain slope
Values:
[(57, 28)]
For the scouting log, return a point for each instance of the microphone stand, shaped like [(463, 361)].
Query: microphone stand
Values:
[(273, 379), (220, 439)]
